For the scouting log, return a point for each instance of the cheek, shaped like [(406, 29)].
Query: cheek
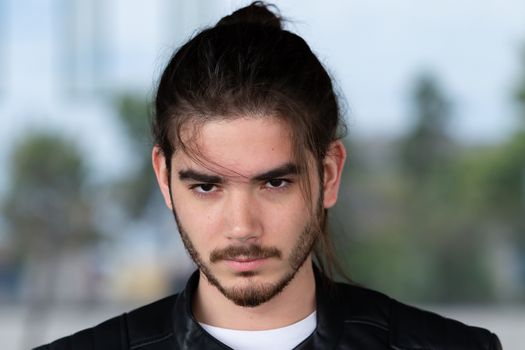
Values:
[(285, 223), (200, 222)]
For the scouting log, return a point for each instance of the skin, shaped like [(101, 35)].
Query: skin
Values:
[(230, 201)]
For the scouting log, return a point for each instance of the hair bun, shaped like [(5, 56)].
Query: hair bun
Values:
[(257, 12)]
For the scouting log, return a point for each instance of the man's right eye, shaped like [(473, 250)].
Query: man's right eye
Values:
[(203, 188)]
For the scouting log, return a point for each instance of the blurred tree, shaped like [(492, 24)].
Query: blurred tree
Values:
[(520, 92), (427, 147), (136, 191), (45, 208)]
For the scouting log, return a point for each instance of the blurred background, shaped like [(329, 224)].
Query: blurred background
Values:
[(432, 209)]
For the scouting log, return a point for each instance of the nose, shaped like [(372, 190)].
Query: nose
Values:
[(242, 217)]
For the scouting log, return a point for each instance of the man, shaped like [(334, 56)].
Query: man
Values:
[(248, 157)]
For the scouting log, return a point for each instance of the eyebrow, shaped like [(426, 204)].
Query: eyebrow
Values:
[(193, 175), (281, 171), (284, 170)]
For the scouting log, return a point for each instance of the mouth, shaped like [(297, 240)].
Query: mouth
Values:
[(242, 264)]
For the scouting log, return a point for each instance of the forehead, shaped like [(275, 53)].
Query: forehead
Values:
[(243, 146)]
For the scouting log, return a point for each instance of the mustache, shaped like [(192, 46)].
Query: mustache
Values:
[(247, 252)]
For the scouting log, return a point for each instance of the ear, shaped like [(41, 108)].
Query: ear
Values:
[(161, 172), (333, 167)]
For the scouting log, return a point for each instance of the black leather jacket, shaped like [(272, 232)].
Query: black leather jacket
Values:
[(348, 318)]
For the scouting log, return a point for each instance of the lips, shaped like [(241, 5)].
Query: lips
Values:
[(245, 264)]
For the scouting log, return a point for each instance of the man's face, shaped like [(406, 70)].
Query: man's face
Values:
[(240, 208)]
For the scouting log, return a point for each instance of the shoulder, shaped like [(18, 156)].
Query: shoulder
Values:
[(145, 323), (408, 327)]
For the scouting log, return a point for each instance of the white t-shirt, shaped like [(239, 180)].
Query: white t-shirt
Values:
[(284, 338)]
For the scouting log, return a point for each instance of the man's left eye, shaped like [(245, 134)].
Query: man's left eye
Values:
[(277, 183), (204, 188)]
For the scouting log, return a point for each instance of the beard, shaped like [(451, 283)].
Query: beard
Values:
[(256, 293)]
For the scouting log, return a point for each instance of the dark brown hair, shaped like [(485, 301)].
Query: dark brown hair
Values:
[(248, 65)]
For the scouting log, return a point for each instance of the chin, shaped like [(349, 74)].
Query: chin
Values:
[(252, 288)]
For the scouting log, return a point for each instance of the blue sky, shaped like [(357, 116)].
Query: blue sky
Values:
[(373, 48)]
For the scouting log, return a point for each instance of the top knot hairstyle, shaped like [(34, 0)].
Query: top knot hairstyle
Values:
[(257, 13), (247, 65)]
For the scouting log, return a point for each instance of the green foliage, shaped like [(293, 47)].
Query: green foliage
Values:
[(46, 208), (133, 113), (500, 178), (136, 190), (43, 161), (427, 147), (520, 92), (388, 262)]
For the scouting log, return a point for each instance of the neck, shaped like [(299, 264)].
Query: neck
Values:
[(294, 303)]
